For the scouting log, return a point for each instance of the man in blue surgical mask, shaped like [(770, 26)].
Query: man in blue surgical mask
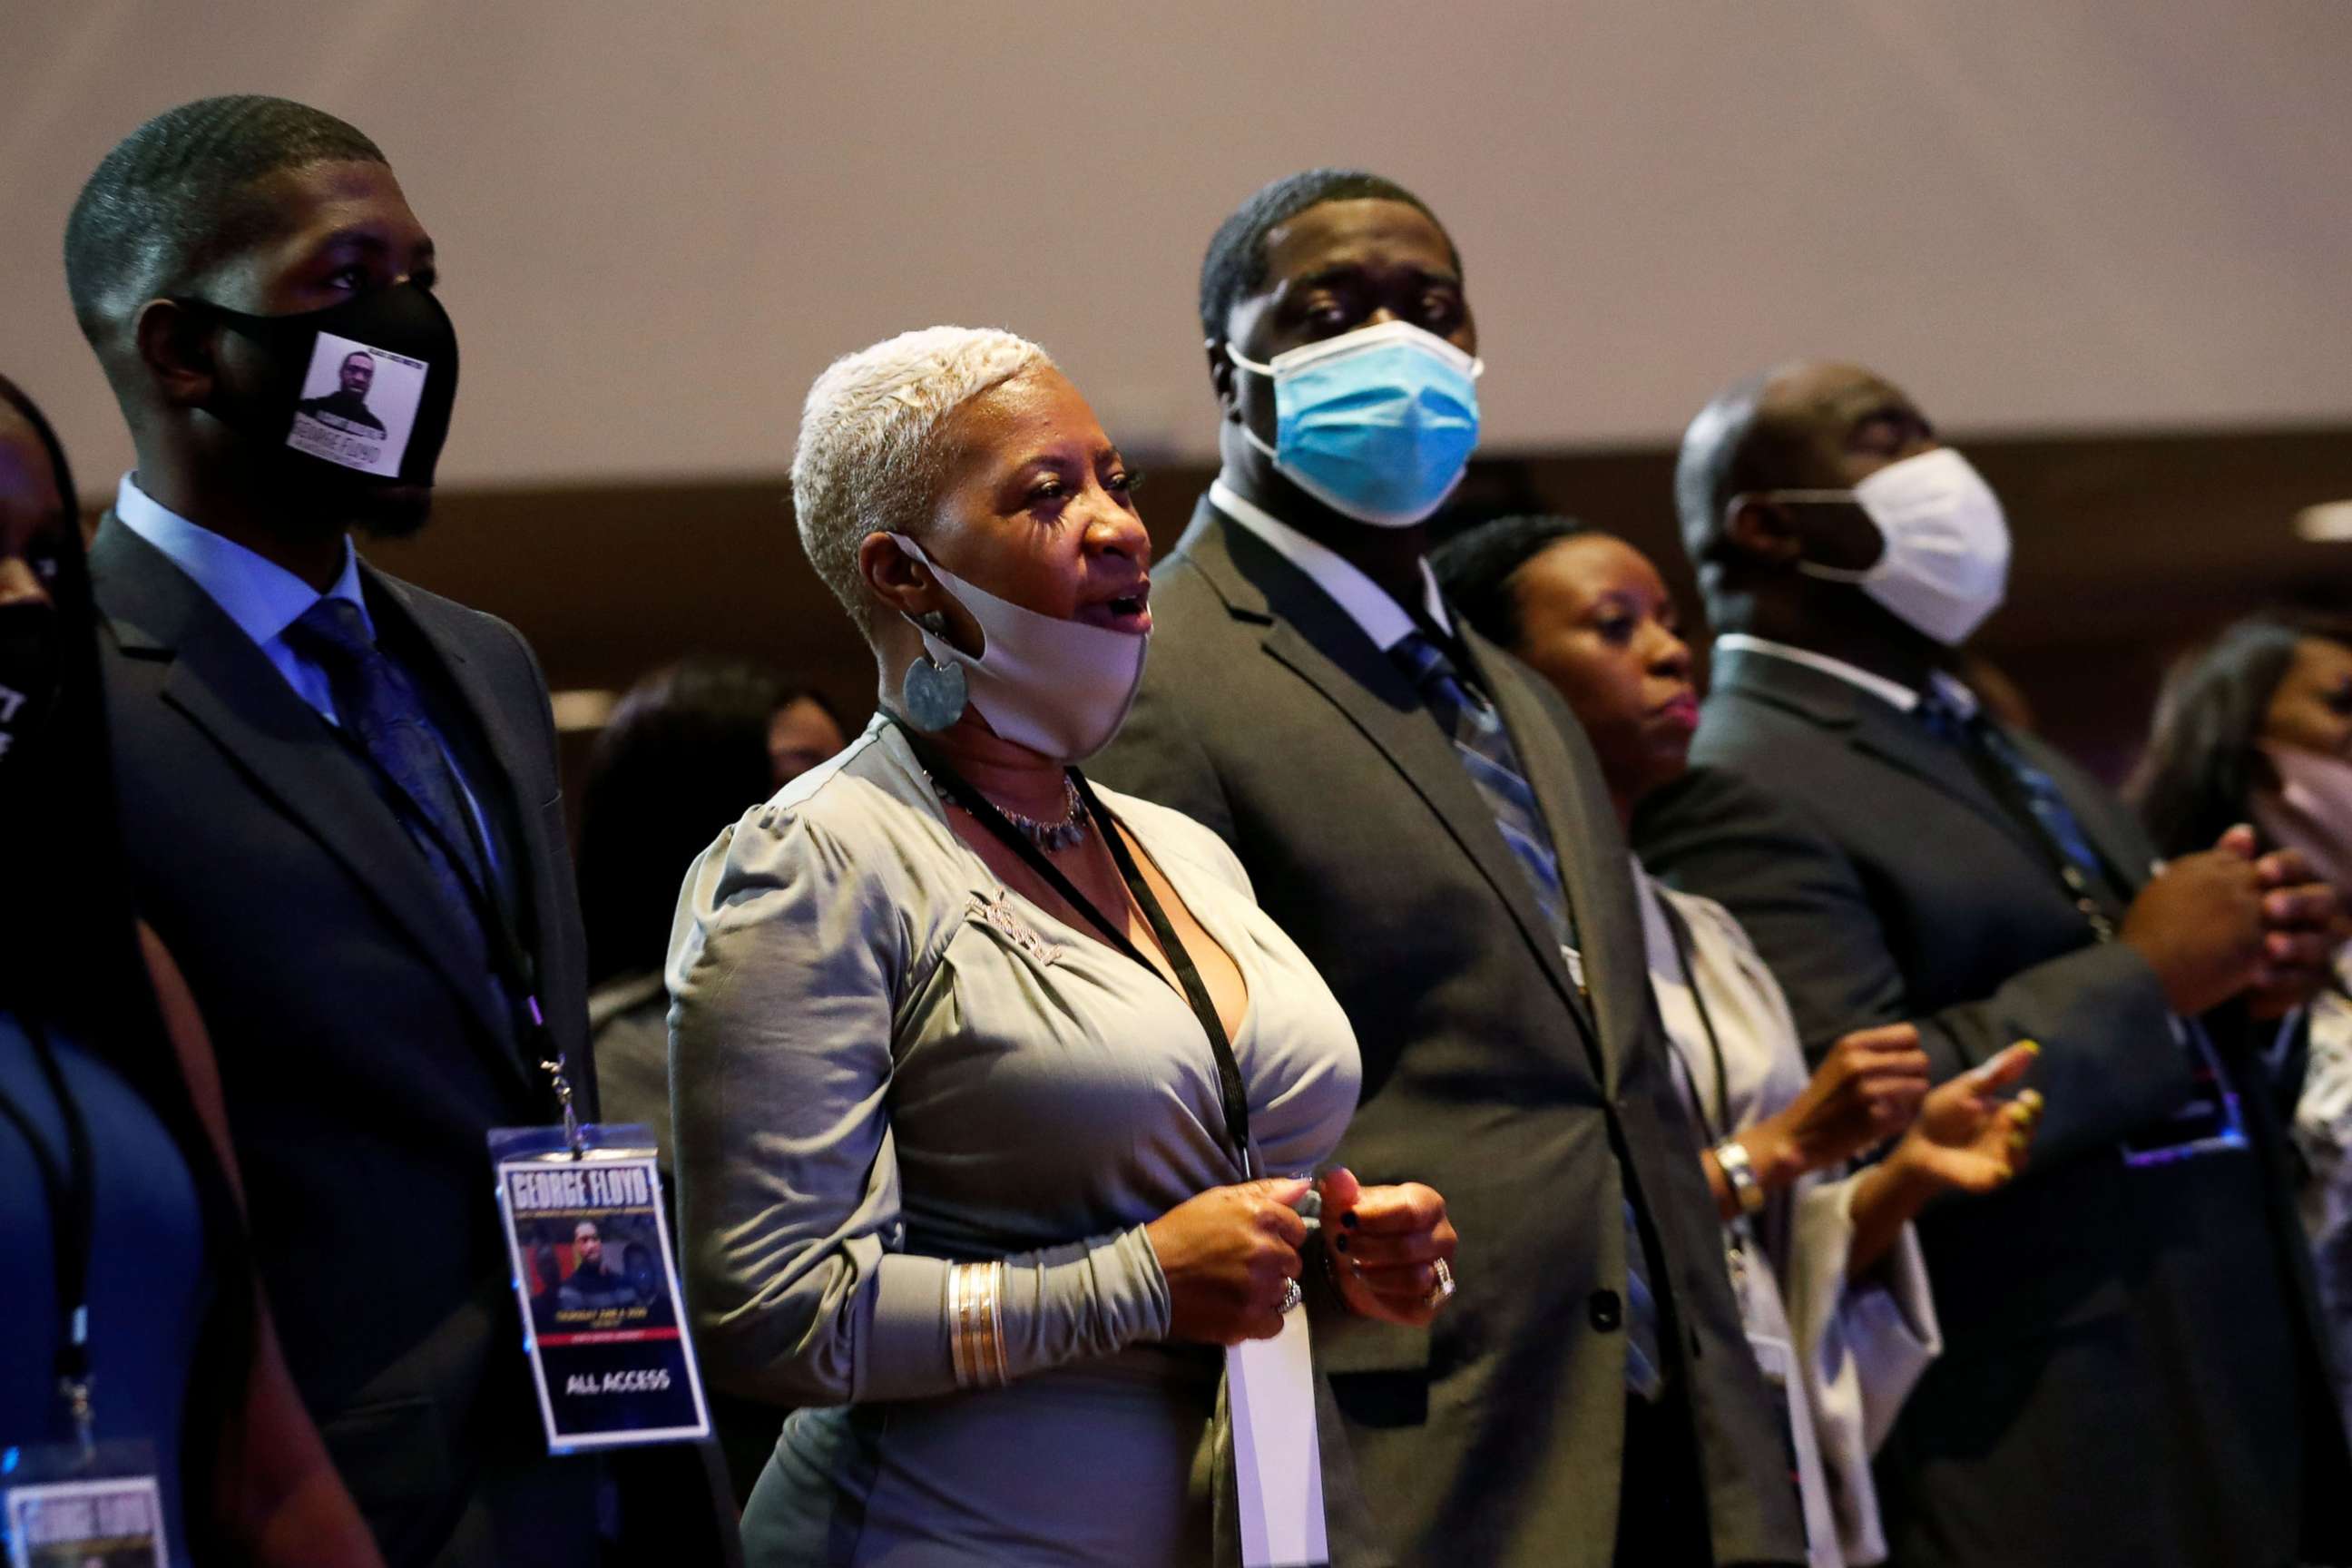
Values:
[(1425, 818), (2131, 1372)]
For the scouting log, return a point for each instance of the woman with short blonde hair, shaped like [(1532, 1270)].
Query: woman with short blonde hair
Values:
[(996, 1094)]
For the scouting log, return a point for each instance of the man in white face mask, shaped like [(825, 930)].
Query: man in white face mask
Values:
[(2132, 1371), (1426, 820)]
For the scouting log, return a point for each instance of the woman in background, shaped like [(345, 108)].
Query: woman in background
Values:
[(686, 751), (107, 1089), (2257, 727), (1833, 1289)]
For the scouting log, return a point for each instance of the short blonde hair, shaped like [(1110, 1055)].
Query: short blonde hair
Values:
[(864, 462)]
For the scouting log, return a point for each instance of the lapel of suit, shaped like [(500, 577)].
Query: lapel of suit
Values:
[(1307, 632), (229, 688), (1870, 725), (1579, 819)]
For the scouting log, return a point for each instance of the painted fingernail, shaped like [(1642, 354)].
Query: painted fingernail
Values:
[(1342, 1242), (1349, 1220)]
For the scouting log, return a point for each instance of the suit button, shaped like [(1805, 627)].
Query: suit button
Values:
[(1605, 1311)]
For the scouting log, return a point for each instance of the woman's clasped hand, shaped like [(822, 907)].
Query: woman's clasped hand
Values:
[(1229, 1254)]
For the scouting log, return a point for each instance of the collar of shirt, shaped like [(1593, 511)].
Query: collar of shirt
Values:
[(1368, 603), (1893, 693), (262, 598)]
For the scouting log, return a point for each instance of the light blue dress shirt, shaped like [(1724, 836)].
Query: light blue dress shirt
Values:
[(265, 600)]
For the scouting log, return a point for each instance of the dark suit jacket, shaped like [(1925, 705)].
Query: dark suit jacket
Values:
[(363, 1056), (1493, 1439), (2132, 1374)]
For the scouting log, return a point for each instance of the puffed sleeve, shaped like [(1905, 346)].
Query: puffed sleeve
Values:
[(1863, 1342), (790, 959)]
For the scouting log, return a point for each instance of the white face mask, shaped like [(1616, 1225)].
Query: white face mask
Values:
[(2311, 810), (1944, 562), (1060, 688)]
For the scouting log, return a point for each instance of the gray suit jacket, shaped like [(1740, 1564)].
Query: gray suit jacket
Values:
[(2131, 1371), (1493, 1438), (362, 1058)]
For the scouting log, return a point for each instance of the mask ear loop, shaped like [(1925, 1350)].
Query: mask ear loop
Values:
[(935, 692), (1856, 576)]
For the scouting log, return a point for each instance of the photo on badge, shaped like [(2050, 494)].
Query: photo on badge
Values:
[(604, 1324), (358, 406), (115, 1521)]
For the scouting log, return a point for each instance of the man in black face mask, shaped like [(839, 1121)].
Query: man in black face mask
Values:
[(2131, 1372), (340, 799), (1424, 815)]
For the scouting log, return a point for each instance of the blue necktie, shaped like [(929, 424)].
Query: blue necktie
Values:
[(2085, 872), (1486, 750), (379, 706)]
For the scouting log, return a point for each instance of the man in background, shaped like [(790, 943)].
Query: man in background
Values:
[(2131, 1371)]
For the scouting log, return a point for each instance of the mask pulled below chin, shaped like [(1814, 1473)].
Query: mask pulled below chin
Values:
[(2310, 810), (1060, 688)]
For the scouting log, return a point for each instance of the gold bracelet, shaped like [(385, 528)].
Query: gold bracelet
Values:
[(996, 1320), (956, 1356)]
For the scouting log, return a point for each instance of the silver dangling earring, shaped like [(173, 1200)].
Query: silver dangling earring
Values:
[(935, 694)]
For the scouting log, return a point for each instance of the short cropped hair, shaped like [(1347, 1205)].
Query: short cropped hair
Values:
[(174, 198), (1476, 568), (1235, 263), (1719, 461), (867, 460)]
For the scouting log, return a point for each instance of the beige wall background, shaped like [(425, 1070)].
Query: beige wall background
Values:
[(658, 221)]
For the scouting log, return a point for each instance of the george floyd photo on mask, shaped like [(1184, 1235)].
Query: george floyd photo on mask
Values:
[(358, 404)]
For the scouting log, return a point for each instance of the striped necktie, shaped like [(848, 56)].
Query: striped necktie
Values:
[(1493, 764)]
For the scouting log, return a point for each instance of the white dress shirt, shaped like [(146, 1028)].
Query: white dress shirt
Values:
[(1368, 603), (1896, 695)]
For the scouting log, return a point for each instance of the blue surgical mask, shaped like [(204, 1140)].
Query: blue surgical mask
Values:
[(1377, 423)]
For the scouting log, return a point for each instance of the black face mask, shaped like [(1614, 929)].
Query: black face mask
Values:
[(355, 396), (28, 682)]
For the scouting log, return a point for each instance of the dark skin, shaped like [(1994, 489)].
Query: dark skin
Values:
[(1335, 268), (1036, 506), (1597, 621), (32, 514), (2214, 926), (1823, 425), (2311, 708), (338, 230)]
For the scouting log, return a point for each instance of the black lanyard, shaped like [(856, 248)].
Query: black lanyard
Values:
[(1235, 1098), (508, 952), (71, 1193), (1680, 933)]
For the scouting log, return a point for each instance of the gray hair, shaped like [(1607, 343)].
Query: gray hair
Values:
[(864, 462)]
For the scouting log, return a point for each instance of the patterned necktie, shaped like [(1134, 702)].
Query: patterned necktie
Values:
[(379, 706), (2083, 869), (1486, 750)]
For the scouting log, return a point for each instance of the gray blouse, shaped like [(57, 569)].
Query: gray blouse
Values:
[(882, 1061)]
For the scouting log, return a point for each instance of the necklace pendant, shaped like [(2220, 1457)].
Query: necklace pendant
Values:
[(935, 694)]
